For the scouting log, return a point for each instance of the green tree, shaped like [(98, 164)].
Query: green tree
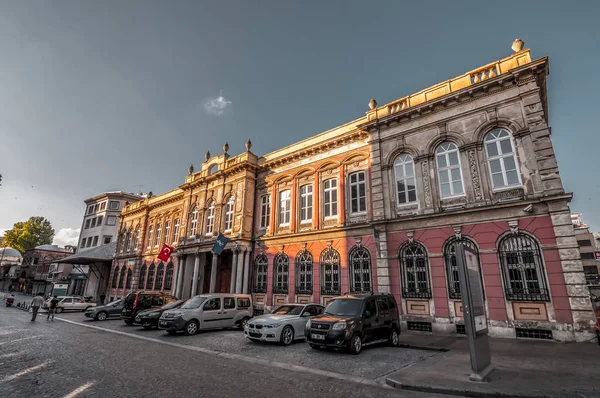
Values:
[(26, 235)]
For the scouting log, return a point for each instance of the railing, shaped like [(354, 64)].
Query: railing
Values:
[(527, 294), (416, 293)]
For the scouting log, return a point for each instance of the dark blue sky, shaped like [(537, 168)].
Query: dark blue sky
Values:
[(109, 95)]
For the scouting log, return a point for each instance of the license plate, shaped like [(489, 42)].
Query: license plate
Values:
[(318, 336), (137, 319), (163, 323)]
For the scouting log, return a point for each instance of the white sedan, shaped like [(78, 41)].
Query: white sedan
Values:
[(69, 303), (284, 325)]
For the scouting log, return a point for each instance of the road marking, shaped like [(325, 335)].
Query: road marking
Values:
[(23, 372), (79, 390), (5, 332), (14, 341), (253, 360), (10, 355)]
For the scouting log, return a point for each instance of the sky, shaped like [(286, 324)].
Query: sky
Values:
[(110, 95)]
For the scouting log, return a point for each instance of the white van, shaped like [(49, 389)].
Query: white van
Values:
[(208, 311)]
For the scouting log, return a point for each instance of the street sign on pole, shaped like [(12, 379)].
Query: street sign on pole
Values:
[(473, 302)]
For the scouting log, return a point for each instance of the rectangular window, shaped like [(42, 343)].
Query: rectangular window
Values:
[(95, 207), (587, 256), (265, 211), (306, 203), (99, 222), (107, 239), (83, 242), (589, 270), (167, 230), (95, 241), (111, 220), (93, 223), (210, 219), (229, 207), (89, 242), (284, 207), (586, 242), (149, 237), (91, 209), (114, 205), (158, 233), (87, 223), (358, 193), (175, 230), (330, 200), (102, 206)]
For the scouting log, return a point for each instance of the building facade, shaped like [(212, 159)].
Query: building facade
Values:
[(374, 205), (39, 273), (587, 247)]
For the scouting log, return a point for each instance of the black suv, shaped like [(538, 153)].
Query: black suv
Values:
[(355, 321), (136, 302)]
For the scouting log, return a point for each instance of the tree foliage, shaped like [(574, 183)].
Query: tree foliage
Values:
[(27, 235)]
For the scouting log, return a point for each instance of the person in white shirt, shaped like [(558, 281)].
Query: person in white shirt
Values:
[(36, 303)]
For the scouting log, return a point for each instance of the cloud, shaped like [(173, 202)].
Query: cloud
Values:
[(216, 106), (67, 236)]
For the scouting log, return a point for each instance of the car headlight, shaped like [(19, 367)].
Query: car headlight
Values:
[(153, 314), (273, 325), (339, 325), (308, 323), (174, 314)]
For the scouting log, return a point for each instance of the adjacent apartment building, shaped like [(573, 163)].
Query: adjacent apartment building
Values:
[(374, 205), (587, 248)]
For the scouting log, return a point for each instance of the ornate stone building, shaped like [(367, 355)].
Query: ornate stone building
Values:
[(374, 205)]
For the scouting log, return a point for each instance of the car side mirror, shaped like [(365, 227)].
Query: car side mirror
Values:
[(306, 314)]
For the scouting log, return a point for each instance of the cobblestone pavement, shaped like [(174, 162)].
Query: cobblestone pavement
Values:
[(60, 359)]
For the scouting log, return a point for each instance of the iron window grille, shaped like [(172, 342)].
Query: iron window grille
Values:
[(122, 277), (360, 270), (260, 273), (160, 273), (150, 280), (330, 272), (169, 277), (522, 269), (142, 281), (415, 271), (128, 280), (281, 268), (304, 272), (419, 326), (452, 267)]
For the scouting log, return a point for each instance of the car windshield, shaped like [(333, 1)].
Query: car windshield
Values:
[(194, 302), (288, 310), (169, 306), (344, 307)]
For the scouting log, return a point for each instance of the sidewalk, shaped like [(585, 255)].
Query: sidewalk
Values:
[(524, 368)]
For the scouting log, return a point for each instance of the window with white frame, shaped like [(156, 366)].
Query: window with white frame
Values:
[(99, 222), (229, 214), (502, 159), (194, 221), (83, 242), (449, 173), (306, 203), (93, 222), (149, 236), (102, 206), (95, 241), (175, 230), (111, 220), (284, 207), (330, 207), (128, 242), (87, 223), (114, 205), (265, 211), (91, 209), (158, 233), (210, 219), (167, 231), (404, 173), (358, 192), (136, 241)]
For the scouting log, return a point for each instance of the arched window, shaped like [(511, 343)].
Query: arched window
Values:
[(115, 277), (128, 280), (150, 280), (415, 271), (160, 273), (330, 272), (360, 270), (304, 267), (149, 237), (142, 280), (449, 173), (260, 273), (501, 159), (136, 242), (281, 272), (213, 169), (229, 214), (169, 277), (404, 172), (452, 266), (128, 242), (522, 268), (122, 276), (210, 219), (194, 221)]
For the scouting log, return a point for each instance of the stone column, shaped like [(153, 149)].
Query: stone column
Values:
[(239, 279), (195, 275), (246, 272), (180, 273), (234, 270), (213, 274), (202, 273)]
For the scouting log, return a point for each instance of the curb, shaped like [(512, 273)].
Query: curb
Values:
[(424, 347)]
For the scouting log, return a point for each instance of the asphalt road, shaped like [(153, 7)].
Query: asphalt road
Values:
[(61, 359)]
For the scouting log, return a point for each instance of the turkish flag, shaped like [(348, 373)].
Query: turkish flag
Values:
[(165, 252)]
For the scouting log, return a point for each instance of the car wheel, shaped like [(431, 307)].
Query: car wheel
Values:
[(59, 310), (244, 322), (287, 335), (128, 322), (101, 316), (355, 344), (314, 346), (191, 328), (394, 338), (171, 332)]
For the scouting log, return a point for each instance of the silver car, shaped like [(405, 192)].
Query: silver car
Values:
[(70, 303), (284, 325)]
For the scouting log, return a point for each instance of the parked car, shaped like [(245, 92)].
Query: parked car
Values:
[(355, 321), (69, 303), (286, 324), (149, 318), (136, 302), (103, 312), (208, 311)]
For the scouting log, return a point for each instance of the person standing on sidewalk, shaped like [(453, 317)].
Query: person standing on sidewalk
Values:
[(52, 308), (36, 303)]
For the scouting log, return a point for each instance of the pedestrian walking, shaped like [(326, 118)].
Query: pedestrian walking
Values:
[(36, 303), (52, 307)]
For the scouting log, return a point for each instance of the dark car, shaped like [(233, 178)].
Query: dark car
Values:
[(149, 318), (355, 321), (136, 302), (110, 310)]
